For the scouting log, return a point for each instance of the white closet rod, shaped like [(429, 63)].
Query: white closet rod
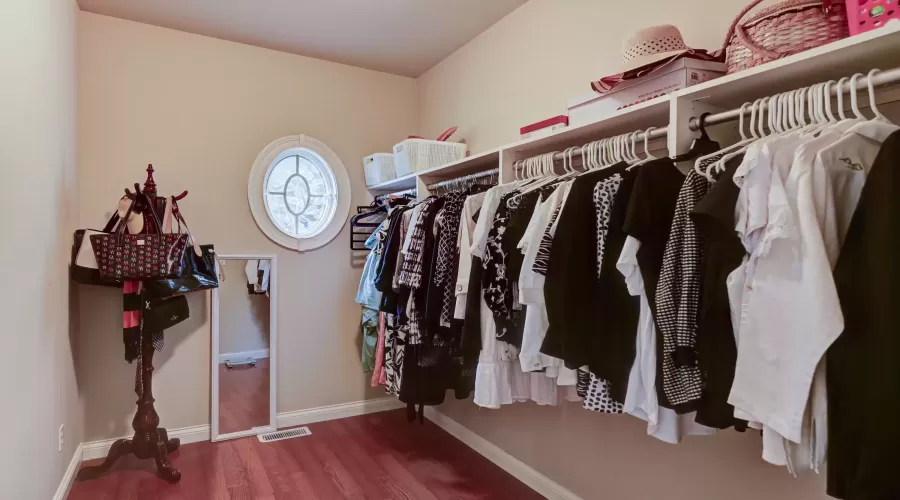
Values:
[(459, 180), (886, 77), (656, 133)]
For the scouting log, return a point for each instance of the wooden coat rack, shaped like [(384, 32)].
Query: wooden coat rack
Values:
[(150, 440)]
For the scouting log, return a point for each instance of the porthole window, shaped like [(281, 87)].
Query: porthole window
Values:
[(299, 192)]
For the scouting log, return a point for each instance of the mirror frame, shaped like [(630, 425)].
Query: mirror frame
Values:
[(273, 352)]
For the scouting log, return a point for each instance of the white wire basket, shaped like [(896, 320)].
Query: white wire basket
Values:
[(379, 168), (416, 155)]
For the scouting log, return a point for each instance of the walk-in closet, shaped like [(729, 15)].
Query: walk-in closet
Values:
[(422, 250)]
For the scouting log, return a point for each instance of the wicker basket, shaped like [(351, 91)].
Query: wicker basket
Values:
[(782, 30)]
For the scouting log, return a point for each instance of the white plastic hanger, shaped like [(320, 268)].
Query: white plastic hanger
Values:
[(840, 97), (544, 165), (739, 147), (602, 152), (744, 139), (844, 125), (827, 100), (878, 128), (631, 154), (634, 153), (873, 105), (854, 102), (610, 153), (565, 163), (647, 144)]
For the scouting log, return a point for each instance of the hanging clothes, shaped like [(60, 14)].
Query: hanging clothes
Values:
[(387, 266), (379, 377), (678, 300), (576, 299), (369, 328), (503, 262), (131, 319), (716, 347), (531, 290), (367, 294), (642, 401), (862, 366), (257, 277)]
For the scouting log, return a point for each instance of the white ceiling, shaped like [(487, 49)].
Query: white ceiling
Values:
[(404, 37)]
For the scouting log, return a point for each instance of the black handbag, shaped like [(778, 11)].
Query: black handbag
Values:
[(199, 269), (161, 314)]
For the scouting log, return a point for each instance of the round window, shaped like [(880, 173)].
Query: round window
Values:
[(299, 192)]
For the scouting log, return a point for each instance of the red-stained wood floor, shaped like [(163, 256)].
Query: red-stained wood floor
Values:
[(378, 456), (243, 397)]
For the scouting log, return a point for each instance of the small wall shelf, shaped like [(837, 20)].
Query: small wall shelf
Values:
[(398, 184)]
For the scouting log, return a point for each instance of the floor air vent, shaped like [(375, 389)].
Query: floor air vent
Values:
[(282, 435)]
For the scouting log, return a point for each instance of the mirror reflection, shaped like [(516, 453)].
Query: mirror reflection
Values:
[(244, 345)]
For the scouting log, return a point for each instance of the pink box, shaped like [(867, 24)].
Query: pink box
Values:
[(544, 127), (867, 15), (679, 74)]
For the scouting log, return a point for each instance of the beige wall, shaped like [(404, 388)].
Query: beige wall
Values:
[(525, 67), (38, 386), (243, 318), (201, 109), (601, 457), (522, 70)]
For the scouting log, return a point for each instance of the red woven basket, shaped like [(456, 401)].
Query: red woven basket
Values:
[(782, 30)]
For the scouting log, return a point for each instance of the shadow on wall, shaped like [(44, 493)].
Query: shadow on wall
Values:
[(74, 334), (106, 382)]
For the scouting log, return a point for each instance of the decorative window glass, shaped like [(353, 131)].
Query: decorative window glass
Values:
[(299, 192)]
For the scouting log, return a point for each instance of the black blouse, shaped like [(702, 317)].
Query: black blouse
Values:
[(723, 253), (863, 365), (388, 264), (648, 220)]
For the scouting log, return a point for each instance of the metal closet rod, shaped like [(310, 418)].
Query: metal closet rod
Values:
[(886, 77), (656, 133), (470, 177)]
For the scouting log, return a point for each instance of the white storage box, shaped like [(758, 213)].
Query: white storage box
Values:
[(679, 74), (416, 155), (379, 168)]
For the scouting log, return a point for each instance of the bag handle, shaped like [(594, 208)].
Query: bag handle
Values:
[(152, 210), (180, 218), (738, 29), (149, 203), (111, 225), (167, 215), (114, 220)]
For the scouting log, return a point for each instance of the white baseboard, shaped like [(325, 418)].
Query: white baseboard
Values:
[(188, 435), (65, 484), (520, 470), (261, 354), (334, 412)]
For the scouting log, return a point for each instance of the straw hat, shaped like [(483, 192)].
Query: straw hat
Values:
[(651, 45)]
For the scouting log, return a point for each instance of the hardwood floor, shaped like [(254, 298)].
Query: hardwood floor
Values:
[(378, 456), (243, 397)]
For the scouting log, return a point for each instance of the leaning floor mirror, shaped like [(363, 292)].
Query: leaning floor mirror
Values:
[(244, 336)]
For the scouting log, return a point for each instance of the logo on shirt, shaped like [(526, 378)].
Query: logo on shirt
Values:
[(852, 165)]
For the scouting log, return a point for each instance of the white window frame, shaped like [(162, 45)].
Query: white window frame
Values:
[(256, 194)]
